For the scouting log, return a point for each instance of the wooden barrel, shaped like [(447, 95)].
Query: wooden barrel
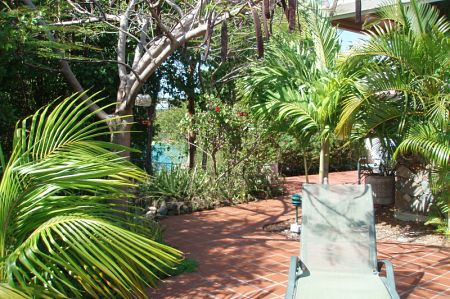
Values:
[(383, 188)]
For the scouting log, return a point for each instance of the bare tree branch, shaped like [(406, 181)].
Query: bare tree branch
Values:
[(122, 40), (107, 61), (42, 67), (175, 7), (78, 8), (70, 76), (107, 17), (163, 27), (140, 47)]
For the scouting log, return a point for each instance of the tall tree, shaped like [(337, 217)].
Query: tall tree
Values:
[(148, 32), (301, 82)]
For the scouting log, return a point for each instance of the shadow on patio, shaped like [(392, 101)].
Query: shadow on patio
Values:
[(237, 259)]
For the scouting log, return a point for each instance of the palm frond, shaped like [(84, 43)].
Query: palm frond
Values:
[(63, 197), (324, 36), (92, 252), (11, 293), (2, 160), (428, 141)]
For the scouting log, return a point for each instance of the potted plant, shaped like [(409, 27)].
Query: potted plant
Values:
[(379, 171)]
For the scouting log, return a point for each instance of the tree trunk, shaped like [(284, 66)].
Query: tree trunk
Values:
[(191, 133), (324, 160), (213, 157), (204, 160), (292, 12), (121, 132), (305, 165), (150, 133), (266, 18)]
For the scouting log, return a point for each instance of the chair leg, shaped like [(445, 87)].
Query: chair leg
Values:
[(293, 266), (390, 279)]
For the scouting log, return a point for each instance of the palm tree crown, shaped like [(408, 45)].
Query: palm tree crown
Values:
[(407, 81), (302, 82)]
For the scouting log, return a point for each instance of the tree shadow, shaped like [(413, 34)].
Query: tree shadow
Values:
[(233, 250)]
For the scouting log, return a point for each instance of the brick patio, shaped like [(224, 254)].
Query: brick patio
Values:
[(237, 259)]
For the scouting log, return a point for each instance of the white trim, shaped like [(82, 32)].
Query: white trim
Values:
[(346, 9)]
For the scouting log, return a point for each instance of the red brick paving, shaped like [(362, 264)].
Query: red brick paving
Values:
[(237, 259)]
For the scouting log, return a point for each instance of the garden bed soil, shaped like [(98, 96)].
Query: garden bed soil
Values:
[(388, 228)]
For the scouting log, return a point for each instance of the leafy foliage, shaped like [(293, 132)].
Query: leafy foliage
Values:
[(237, 152), (405, 95), (62, 193), (175, 184), (301, 83)]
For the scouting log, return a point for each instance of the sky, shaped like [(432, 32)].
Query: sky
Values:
[(348, 38)]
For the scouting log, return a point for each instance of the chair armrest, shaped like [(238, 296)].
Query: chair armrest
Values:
[(390, 279), (293, 265)]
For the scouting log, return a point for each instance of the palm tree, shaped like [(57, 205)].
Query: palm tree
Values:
[(302, 82), (406, 92), (61, 234)]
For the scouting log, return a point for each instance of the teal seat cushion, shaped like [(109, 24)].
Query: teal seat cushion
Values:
[(341, 286)]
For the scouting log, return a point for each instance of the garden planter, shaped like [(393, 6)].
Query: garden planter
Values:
[(383, 189), (413, 197)]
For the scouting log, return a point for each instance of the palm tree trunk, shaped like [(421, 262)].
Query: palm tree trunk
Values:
[(324, 160), (305, 164)]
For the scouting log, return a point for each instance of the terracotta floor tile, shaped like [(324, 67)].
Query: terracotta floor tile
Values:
[(226, 282), (277, 289), (411, 296), (245, 288), (262, 283), (261, 294), (241, 275), (423, 293), (436, 287), (277, 277), (445, 280), (224, 294), (238, 259)]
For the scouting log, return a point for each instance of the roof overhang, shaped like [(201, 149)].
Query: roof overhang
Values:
[(344, 14)]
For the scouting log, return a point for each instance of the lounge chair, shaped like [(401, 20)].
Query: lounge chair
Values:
[(338, 256)]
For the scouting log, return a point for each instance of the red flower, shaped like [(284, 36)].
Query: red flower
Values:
[(217, 109)]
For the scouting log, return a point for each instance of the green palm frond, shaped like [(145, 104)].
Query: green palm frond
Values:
[(438, 110), (11, 293), (2, 161), (323, 36), (417, 17), (92, 251), (300, 81), (430, 142), (63, 206), (407, 57), (350, 108)]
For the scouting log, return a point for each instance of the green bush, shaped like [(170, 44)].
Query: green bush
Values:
[(199, 190), (175, 185)]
